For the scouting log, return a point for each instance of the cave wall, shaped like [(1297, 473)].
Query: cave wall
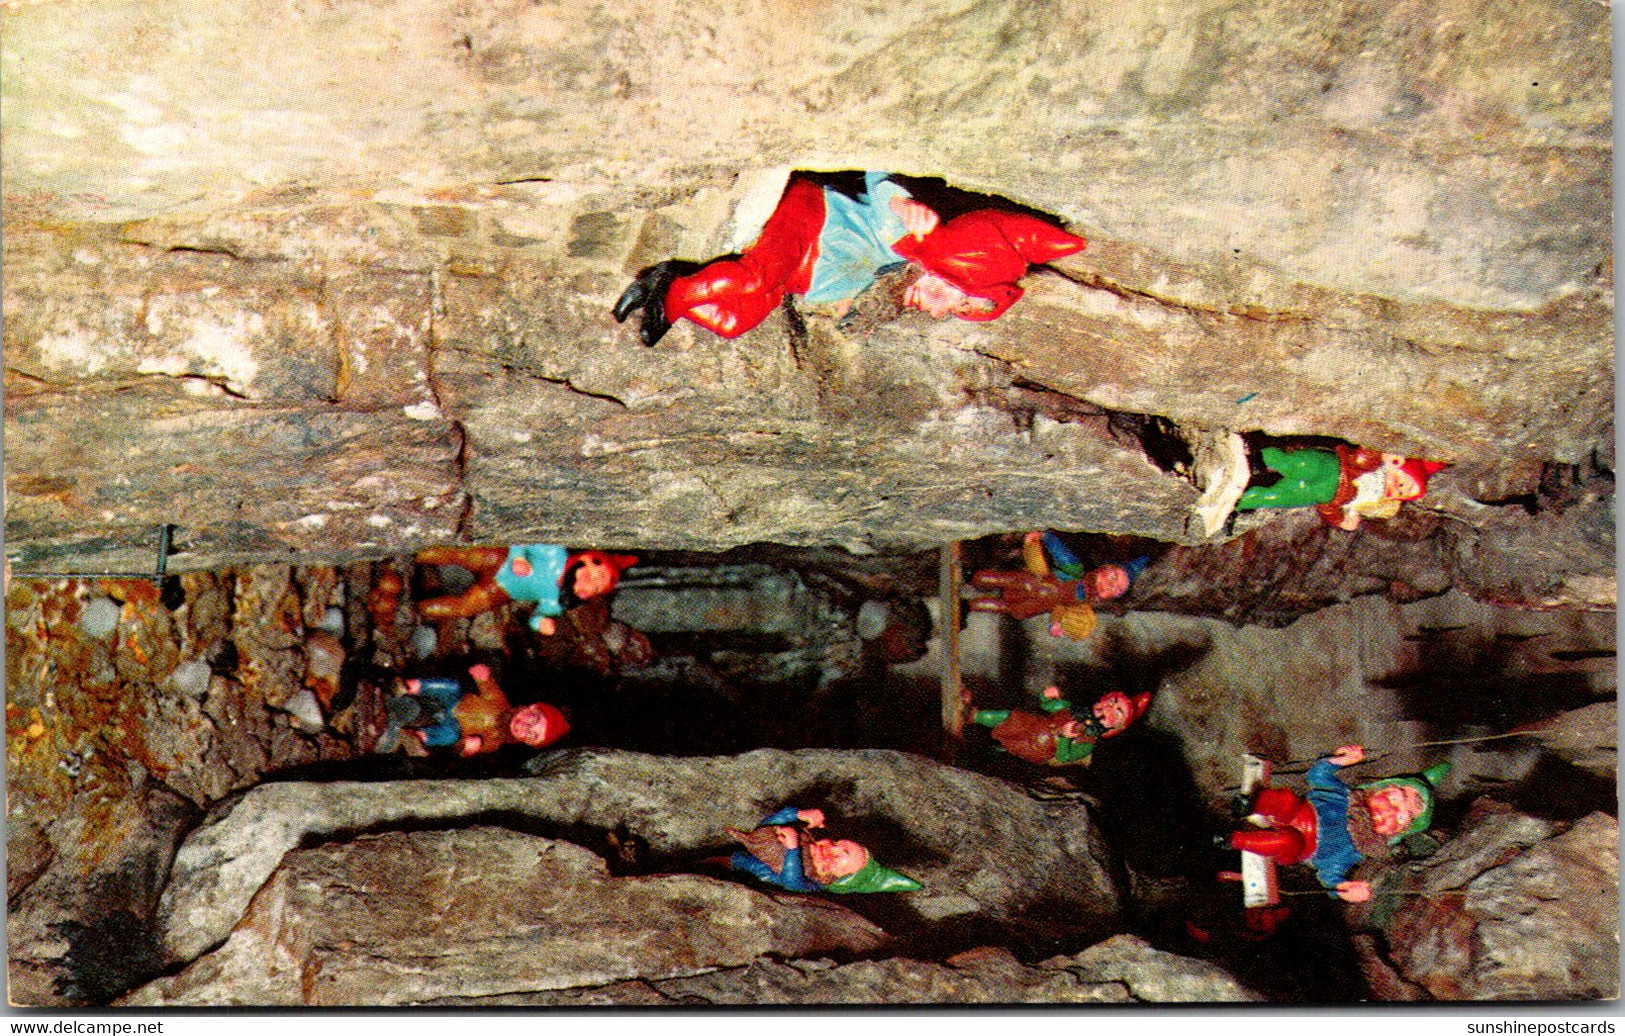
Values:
[(170, 761), (1388, 676), (335, 279), (332, 281)]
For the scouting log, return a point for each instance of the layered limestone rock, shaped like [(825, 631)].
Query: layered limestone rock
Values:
[(333, 281), (279, 305), (404, 918), (980, 847)]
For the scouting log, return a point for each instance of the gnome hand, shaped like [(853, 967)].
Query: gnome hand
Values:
[(918, 220), (546, 626), (1348, 755), (811, 817), (1354, 891)]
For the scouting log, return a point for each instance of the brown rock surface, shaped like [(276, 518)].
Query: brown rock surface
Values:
[(404, 918), (1513, 908), (981, 847), (336, 317), (1120, 970)]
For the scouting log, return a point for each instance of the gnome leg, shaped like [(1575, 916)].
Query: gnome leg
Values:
[(476, 559), (1277, 805), (1281, 844), (1308, 477), (481, 597), (731, 296)]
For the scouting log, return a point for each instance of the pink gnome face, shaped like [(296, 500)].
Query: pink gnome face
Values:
[(1406, 478), (1106, 582), (829, 859), (1393, 809), (596, 573), (1116, 711), (538, 725)]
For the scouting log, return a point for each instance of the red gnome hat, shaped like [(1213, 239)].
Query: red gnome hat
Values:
[(616, 563), (1420, 470), (552, 723), (984, 253), (1138, 706)]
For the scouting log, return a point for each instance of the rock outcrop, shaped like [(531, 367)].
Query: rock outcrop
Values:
[(1513, 908), (1121, 970), (407, 918), (981, 847), (355, 320)]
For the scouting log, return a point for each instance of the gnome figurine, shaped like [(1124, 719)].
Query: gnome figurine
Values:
[(445, 713), (543, 574), (829, 245), (1058, 738), (1337, 827), (1055, 582), (781, 852), (1344, 485)]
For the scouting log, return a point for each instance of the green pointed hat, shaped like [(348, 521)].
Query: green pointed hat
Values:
[(873, 877), (1424, 783)]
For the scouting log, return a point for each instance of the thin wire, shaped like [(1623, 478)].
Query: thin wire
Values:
[(1408, 748)]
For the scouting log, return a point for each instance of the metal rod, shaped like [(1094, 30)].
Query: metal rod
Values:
[(950, 583), (166, 535)]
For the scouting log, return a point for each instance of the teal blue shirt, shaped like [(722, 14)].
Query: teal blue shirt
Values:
[(855, 244), (542, 585)]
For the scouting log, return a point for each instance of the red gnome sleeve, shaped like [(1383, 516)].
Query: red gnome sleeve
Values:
[(984, 253)]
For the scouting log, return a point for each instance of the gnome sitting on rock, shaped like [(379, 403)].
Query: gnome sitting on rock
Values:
[(1339, 827), (1344, 485), (781, 852)]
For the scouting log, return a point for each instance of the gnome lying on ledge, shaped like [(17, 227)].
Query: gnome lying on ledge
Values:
[(828, 246), (543, 574), (781, 852), (1344, 485), (1337, 827), (1059, 738)]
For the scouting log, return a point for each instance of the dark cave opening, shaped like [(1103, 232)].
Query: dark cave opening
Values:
[(787, 648)]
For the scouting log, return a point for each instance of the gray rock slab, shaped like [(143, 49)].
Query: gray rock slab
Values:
[(406, 917), (1121, 970), (980, 846)]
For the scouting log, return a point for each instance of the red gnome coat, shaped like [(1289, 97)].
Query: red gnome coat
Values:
[(984, 253)]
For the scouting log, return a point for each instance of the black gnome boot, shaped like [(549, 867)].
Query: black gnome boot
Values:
[(399, 711), (648, 293)]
